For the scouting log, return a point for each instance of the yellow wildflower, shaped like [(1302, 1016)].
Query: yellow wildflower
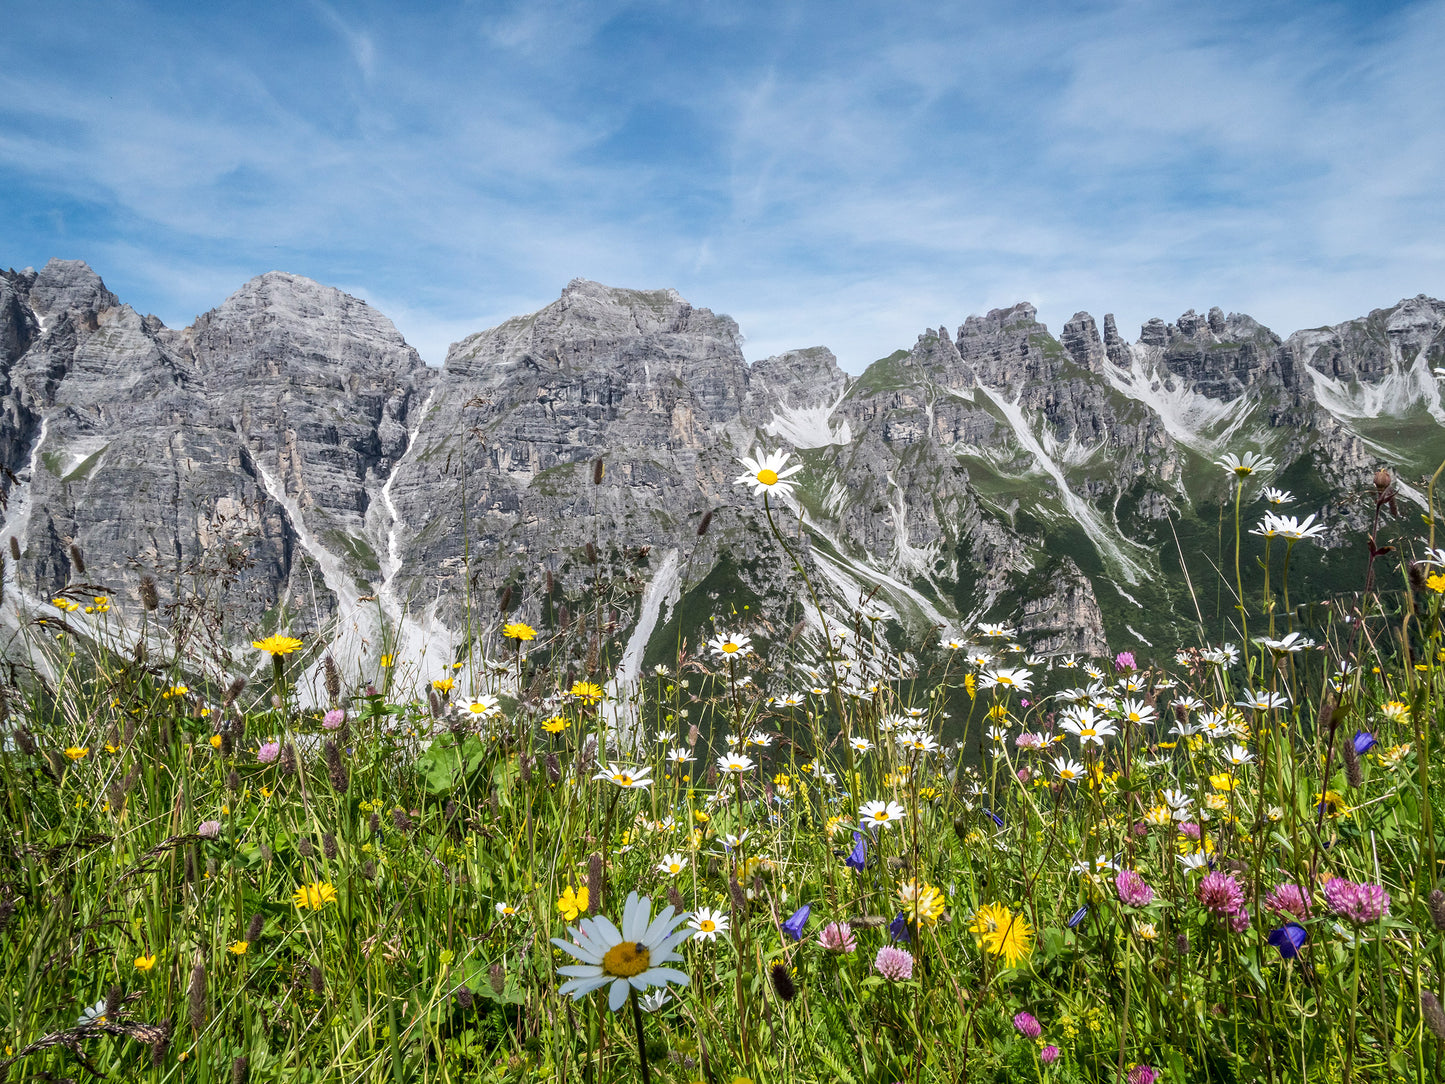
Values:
[(77, 752), (277, 644), (314, 896), (572, 902), (238, 948), (519, 630), (589, 692), (145, 963)]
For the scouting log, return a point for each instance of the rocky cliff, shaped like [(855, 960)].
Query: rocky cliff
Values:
[(289, 458)]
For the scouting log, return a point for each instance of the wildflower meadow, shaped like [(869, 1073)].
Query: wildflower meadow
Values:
[(797, 850)]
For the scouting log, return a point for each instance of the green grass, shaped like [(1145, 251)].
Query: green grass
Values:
[(142, 822)]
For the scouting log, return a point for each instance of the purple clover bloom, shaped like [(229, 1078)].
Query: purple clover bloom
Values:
[(859, 858), (894, 964), (209, 829), (1360, 903), (1289, 939), (333, 719), (1364, 741), (1049, 1054), (1288, 899), (799, 918), (1027, 1026), (1133, 890), (1124, 661), (1239, 921), (268, 752), (1220, 893), (1142, 1074)]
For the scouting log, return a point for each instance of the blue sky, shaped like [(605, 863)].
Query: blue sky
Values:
[(833, 172)]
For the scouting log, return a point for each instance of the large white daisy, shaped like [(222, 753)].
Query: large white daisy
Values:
[(766, 473), (630, 958)]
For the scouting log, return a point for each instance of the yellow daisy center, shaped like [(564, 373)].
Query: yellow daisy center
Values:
[(881, 815), (767, 477), (626, 960), (707, 925)]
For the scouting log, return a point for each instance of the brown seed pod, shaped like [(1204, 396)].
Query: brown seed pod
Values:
[(597, 471), (150, 596)]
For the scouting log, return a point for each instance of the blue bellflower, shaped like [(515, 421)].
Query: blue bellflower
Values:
[(859, 858), (1364, 741), (1077, 917), (799, 918), (1289, 939)]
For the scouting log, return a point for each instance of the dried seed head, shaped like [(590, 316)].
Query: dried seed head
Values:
[(190, 864), (316, 979), (554, 768), (77, 559), (434, 703), (368, 870), (497, 976), (14, 547), (1354, 773), (163, 1043), (196, 995), (254, 927), (674, 897), (7, 908), (524, 768), (276, 697), (401, 820), (597, 471), (374, 823), (739, 897), (288, 759), (1415, 571), (26, 742), (228, 744), (233, 690), (114, 999), (693, 733), (504, 604), (304, 848), (150, 596), (449, 811), (333, 678), (240, 1070), (704, 523), (1432, 1014), (591, 552), (233, 781), (782, 982), (335, 770), (1435, 904), (328, 846), (1382, 479), (464, 997), (267, 854)]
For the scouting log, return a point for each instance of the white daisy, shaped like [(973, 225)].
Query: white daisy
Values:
[(672, 864), (881, 814), (766, 473), (627, 778), (707, 924), (630, 958)]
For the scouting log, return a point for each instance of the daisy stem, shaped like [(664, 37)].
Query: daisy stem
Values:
[(641, 1044)]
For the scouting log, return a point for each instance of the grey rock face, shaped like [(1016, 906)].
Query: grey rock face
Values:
[(292, 449)]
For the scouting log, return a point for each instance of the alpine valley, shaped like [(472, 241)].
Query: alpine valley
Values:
[(289, 457)]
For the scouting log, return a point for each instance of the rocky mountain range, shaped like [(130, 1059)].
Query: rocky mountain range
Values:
[(290, 458)]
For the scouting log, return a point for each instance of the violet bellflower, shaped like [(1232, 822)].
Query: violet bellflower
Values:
[(859, 858), (799, 918), (1289, 939)]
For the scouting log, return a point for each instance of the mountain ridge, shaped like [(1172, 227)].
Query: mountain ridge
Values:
[(995, 466)]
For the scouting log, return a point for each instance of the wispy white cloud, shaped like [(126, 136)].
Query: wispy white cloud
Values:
[(845, 176)]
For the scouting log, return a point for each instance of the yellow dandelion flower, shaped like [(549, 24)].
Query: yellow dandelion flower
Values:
[(315, 896), (556, 724), (215, 741), (589, 692), (77, 752), (519, 630), (443, 685), (277, 644)]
